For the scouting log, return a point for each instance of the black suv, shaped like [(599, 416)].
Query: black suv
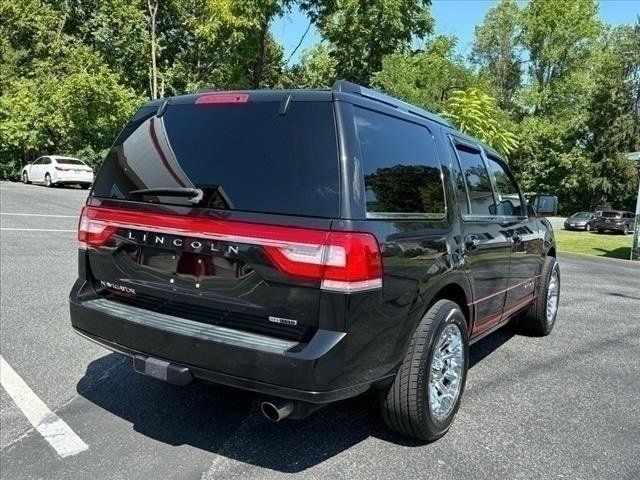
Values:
[(310, 246)]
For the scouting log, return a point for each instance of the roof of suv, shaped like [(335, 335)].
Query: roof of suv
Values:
[(326, 94)]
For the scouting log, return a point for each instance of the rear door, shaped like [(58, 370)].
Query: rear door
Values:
[(269, 177), (487, 242), (35, 170)]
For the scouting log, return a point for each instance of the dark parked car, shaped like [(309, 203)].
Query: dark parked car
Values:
[(310, 246), (617, 221), (581, 221)]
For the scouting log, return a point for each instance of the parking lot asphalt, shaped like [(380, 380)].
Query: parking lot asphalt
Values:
[(564, 406)]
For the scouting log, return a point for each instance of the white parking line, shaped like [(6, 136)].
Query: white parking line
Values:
[(51, 427), (37, 215), (35, 230)]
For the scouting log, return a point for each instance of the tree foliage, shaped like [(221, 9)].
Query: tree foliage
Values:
[(547, 83), (476, 113)]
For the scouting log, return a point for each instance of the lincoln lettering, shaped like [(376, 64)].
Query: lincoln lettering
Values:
[(195, 245)]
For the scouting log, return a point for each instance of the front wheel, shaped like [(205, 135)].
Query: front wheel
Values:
[(25, 178), (425, 395), (541, 317), (625, 231), (588, 228), (600, 230), (47, 181)]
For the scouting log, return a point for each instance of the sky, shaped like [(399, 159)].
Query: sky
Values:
[(452, 17)]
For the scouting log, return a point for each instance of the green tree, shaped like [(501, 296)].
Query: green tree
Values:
[(316, 69), (496, 49), (362, 32), (476, 113), (426, 77), (560, 39), (613, 123)]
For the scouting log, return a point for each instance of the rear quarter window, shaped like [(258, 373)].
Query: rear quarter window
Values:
[(400, 165), (245, 157)]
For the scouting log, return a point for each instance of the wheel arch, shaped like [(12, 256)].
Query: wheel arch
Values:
[(457, 289)]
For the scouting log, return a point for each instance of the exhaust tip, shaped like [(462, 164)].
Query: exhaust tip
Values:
[(276, 411)]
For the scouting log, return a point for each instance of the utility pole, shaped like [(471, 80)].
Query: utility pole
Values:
[(635, 246)]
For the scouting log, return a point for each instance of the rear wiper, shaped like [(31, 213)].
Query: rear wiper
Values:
[(195, 194)]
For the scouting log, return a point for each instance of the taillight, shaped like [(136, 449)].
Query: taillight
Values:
[(92, 232), (342, 261), (62, 169)]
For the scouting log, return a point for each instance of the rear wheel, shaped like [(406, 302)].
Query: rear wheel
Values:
[(541, 317), (625, 230), (47, 180), (425, 395), (600, 230), (25, 178)]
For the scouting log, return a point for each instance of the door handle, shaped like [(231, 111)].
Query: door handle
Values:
[(471, 241), (516, 238)]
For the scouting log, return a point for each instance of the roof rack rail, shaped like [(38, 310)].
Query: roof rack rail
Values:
[(354, 88)]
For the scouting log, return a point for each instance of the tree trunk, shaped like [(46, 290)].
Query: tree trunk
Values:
[(153, 11)]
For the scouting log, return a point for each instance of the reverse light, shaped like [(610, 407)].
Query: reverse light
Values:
[(342, 261)]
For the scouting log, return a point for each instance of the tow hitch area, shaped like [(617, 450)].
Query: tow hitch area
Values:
[(162, 370)]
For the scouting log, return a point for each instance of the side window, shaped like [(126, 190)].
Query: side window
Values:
[(38, 161), (401, 169), (477, 181), (509, 202)]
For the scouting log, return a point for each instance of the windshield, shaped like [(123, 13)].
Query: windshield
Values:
[(243, 157), (581, 215), (611, 214)]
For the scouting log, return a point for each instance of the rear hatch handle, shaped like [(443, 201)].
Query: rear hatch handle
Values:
[(195, 194)]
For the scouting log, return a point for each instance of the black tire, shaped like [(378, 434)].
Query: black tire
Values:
[(600, 230), (405, 406), (535, 321), (25, 178), (47, 180), (587, 227), (625, 230)]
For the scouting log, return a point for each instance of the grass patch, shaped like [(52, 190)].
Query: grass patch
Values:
[(607, 244)]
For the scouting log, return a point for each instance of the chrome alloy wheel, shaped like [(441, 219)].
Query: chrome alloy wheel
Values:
[(445, 373), (553, 293)]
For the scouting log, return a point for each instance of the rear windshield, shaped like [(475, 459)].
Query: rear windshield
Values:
[(242, 156), (69, 161), (611, 214)]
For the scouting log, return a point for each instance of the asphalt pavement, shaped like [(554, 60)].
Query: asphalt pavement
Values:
[(564, 406)]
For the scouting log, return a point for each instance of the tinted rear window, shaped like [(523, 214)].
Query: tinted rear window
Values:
[(611, 214), (243, 156), (69, 161)]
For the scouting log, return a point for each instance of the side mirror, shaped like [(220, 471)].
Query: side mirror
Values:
[(545, 205)]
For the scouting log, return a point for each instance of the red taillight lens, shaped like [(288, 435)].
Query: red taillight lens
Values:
[(222, 97), (342, 261), (62, 169), (93, 232)]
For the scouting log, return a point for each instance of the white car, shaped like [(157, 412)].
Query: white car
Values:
[(56, 170)]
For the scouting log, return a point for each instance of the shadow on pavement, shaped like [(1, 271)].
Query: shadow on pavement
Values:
[(228, 422)]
